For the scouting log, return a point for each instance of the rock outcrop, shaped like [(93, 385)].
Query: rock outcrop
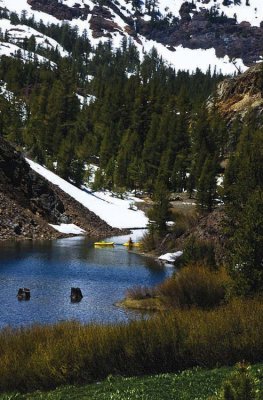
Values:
[(23, 186), (241, 95), (200, 30), (59, 10)]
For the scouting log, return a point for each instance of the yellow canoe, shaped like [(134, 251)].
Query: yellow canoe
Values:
[(103, 244), (135, 244)]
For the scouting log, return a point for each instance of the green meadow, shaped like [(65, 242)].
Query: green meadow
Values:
[(194, 384)]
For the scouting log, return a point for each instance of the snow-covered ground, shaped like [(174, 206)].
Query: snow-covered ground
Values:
[(188, 59), (68, 228), (4, 92), (114, 211), (170, 257), (21, 5), (252, 13), (17, 34)]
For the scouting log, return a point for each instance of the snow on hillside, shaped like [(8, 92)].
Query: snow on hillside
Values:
[(4, 92), (69, 229), (114, 211), (21, 5), (188, 59), (182, 58), (12, 50), (252, 13), (17, 34)]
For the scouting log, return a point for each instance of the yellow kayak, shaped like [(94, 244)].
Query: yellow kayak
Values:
[(127, 244), (102, 244)]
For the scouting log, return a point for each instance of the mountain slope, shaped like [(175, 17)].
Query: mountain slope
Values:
[(229, 34)]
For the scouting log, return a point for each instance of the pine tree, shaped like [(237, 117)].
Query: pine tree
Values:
[(243, 197), (159, 213), (207, 185), (247, 245)]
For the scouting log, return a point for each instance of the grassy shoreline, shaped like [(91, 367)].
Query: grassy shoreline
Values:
[(45, 357)]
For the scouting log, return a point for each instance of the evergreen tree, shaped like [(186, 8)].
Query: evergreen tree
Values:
[(159, 213), (243, 197), (247, 245), (207, 185)]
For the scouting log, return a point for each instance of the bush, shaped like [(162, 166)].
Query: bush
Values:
[(241, 385), (198, 286), (198, 251)]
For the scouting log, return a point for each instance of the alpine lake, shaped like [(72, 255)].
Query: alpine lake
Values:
[(50, 268)]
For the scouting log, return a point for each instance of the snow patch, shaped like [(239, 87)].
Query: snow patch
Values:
[(69, 229), (170, 257), (190, 59), (114, 211)]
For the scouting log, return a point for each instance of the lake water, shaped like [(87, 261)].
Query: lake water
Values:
[(51, 268)]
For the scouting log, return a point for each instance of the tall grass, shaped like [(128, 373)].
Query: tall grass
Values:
[(196, 285), (70, 353), (191, 286)]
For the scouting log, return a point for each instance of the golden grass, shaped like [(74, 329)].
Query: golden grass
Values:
[(70, 353)]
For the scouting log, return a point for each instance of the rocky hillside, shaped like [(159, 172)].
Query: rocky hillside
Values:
[(242, 94), (193, 26), (29, 203)]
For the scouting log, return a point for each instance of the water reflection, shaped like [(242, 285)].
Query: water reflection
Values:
[(51, 268)]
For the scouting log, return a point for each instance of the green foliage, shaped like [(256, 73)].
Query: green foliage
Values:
[(99, 180), (159, 213), (243, 195), (198, 251), (247, 242), (191, 384), (241, 385), (140, 115), (207, 185)]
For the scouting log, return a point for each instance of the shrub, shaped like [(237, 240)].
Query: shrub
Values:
[(240, 385), (198, 251), (196, 285), (183, 222)]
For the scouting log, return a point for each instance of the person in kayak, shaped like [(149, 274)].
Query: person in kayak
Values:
[(130, 243)]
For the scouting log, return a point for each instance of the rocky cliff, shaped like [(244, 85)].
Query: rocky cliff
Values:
[(242, 94), (28, 203)]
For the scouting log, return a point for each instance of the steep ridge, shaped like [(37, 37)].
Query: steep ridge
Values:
[(29, 203)]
